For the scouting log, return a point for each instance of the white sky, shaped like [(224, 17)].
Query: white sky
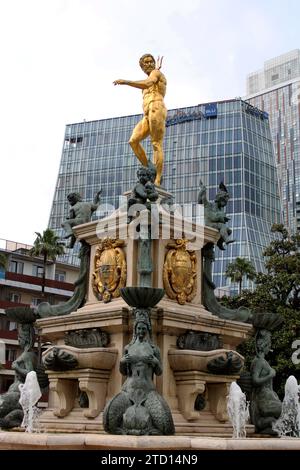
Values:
[(60, 57)]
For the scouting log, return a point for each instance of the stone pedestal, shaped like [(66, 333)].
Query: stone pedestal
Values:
[(189, 384), (66, 385), (169, 319), (190, 369)]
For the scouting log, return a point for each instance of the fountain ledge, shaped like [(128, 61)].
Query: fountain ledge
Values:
[(43, 441)]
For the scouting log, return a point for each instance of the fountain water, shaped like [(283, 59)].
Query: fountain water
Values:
[(30, 393), (288, 423), (238, 410)]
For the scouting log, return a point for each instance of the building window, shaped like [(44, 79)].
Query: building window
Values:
[(274, 77), (11, 355), (37, 271), (35, 301), (72, 141), (14, 297), (60, 275), (16, 267), (4, 324), (12, 326)]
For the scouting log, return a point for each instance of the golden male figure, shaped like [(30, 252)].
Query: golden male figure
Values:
[(155, 113)]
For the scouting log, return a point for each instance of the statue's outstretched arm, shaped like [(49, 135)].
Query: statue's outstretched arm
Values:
[(97, 197), (142, 84), (96, 201)]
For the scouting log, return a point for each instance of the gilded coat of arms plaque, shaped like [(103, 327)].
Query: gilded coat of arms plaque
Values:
[(109, 269), (179, 272)]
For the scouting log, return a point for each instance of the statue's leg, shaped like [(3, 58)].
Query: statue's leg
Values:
[(67, 226), (72, 241), (227, 239), (140, 132), (224, 237), (157, 124), (137, 205)]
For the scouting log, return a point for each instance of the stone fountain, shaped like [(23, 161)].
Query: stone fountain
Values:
[(143, 309), (163, 277)]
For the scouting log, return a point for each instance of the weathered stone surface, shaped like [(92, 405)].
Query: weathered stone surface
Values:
[(87, 338), (199, 341)]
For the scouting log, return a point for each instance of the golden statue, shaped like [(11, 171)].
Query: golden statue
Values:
[(155, 113)]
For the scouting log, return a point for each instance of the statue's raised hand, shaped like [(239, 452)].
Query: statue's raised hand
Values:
[(152, 360), (119, 82)]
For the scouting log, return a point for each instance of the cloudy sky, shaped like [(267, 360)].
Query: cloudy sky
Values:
[(60, 57)]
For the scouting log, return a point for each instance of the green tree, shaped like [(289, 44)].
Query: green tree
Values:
[(277, 290), (282, 280), (47, 246), (3, 261), (239, 269)]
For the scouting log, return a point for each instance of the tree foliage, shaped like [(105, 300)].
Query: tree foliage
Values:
[(48, 246), (283, 268), (3, 261), (239, 269), (277, 290)]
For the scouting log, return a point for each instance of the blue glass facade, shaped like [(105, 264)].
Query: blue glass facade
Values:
[(228, 141), (276, 89)]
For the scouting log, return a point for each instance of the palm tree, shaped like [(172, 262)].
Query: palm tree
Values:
[(3, 261), (239, 269), (47, 246)]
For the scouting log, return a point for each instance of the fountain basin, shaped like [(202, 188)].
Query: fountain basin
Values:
[(142, 297), (92, 358), (190, 360), (267, 320)]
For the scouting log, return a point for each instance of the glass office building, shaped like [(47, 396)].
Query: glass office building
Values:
[(226, 141), (276, 90)]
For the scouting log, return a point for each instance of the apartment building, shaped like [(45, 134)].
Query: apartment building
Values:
[(21, 285)]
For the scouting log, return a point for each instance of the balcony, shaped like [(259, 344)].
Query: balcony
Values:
[(8, 304), (7, 365), (8, 334), (9, 276)]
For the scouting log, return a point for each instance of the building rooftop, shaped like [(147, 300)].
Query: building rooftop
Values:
[(9, 245)]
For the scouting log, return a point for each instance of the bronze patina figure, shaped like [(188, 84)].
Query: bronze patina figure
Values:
[(11, 413), (265, 404), (214, 213), (80, 213), (138, 409)]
